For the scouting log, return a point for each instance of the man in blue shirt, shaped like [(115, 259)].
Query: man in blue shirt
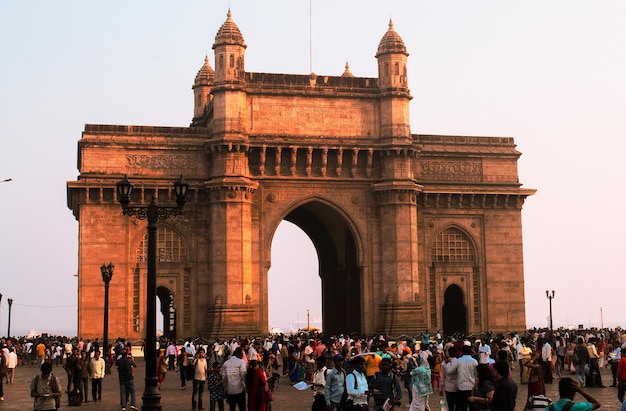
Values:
[(335, 383)]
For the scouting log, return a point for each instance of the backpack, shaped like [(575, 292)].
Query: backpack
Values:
[(538, 402), (55, 389)]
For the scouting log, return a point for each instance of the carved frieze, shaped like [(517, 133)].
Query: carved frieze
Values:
[(161, 162), (451, 170)]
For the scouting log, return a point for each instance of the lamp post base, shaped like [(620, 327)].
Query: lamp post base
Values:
[(151, 397)]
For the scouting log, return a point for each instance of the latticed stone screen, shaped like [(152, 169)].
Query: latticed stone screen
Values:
[(452, 245), (170, 247)]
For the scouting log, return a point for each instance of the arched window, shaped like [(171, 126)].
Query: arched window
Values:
[(232, 61), (170, 247), (452, 245), (396, 69)]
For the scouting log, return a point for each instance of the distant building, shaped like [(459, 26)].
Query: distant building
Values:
[(413, 232)]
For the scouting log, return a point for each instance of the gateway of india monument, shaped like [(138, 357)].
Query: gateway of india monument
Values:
[(413, 232)]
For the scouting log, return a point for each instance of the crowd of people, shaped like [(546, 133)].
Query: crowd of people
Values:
[(344, 372)]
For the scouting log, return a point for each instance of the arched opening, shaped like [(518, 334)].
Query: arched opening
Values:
[(454, 311), (294, 284), (335, 245), (167, 319)]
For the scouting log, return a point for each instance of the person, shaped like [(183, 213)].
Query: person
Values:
[(449, 380), (73, 372), (3, 373), (125, 366), (161, 367), (484, 351), (465, 368), (372, 365), (172, 354), (505, 393), (485, 389), (421, 386), (319, 381), (335, 384), (12, 363), (567, 390), (234, 374), (546, 356), (386, 386), (580, 359), (45, 389), (614, 357), (215, 385), (182, 362), (256, 386), (535, 375), (83, 375), (621, 376), (97, 371), (356, 385), (200, 368), (594, 368), (41, 352)]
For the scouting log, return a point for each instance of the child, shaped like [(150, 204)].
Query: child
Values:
[(215, 384)]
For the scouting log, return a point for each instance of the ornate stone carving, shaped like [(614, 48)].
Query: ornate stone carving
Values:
[(162, 161), (448, 170)]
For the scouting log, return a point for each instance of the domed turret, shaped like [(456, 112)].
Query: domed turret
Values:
[(202, 88), (229, 49), (391, 43), (229, 33), (392, 56)]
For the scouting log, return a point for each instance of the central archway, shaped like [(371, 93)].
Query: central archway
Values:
[(335, 245)]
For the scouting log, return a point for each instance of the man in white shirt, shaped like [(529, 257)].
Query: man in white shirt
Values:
[(546, 356), (97, 371), (465, 367), (234, 374), (12, 363)]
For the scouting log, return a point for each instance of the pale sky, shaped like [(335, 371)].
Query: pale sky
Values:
[(551, 74)]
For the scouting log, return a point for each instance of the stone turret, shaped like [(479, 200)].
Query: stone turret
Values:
[(394, 89), (229, 49), (202, 88)]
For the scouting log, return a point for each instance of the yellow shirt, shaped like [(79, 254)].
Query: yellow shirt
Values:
[(372, 362)]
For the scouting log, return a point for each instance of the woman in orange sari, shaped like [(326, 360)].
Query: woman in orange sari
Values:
[(161, 367), (256, 385)]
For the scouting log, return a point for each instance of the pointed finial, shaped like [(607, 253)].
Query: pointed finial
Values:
[(390, 23), (229, 14), (206, 58)]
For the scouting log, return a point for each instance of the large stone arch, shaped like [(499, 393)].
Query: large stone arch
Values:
[(338, 245)]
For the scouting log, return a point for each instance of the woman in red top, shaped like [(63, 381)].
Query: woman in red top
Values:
[(256, 385)]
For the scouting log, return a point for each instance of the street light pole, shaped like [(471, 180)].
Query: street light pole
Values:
[(107, 274), (10, 301), (153, 213), (550, 297)]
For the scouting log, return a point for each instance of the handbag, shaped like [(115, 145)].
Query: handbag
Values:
[(269, 396)]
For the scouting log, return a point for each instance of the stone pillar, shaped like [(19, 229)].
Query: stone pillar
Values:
[(400, 308), (232, 301)]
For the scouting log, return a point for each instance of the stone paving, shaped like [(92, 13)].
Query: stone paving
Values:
[(17, 395)]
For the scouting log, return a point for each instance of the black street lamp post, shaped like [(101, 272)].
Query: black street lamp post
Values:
[(107, 274), (550, 296), (10, 301), (153, 213)]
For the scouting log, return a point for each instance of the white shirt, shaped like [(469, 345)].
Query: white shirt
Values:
[(234, 373), (466, 372), (546, 352)]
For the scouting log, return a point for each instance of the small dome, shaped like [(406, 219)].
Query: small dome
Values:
[(391, 43), (205, 75), (229, 33), (347, 72)]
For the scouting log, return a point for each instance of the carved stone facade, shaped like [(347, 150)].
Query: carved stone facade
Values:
[(413, 232)]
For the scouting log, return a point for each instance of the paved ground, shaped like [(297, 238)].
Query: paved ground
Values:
[(17, 396)]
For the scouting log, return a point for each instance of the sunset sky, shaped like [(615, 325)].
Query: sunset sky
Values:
[(551, 74)]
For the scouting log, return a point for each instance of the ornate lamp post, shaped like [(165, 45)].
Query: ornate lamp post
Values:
[(153, 213), (550, 297), (10, 301), (107, 274)]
